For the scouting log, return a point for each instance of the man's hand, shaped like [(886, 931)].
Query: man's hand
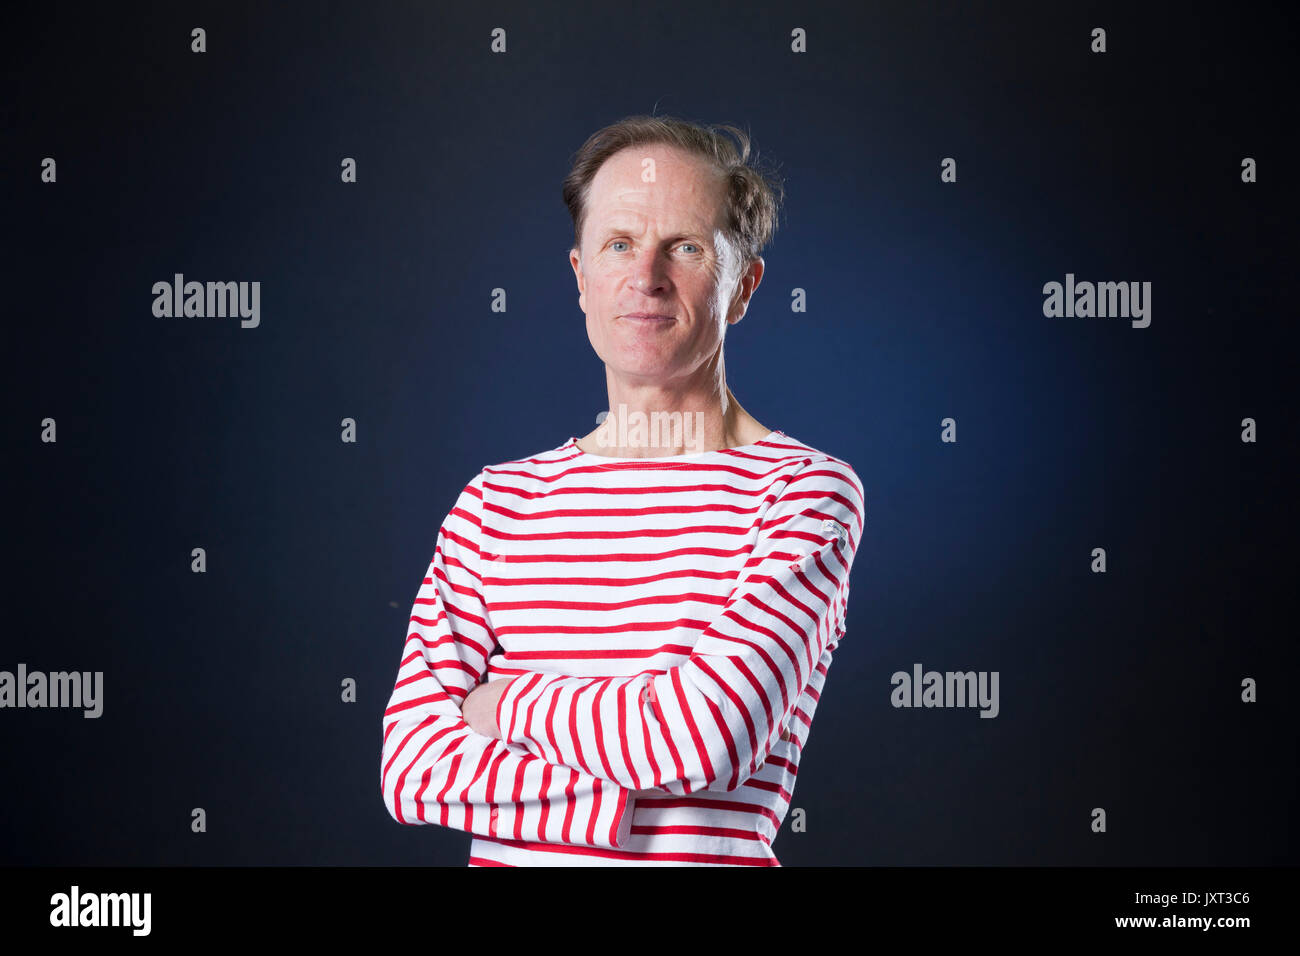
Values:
[(480, 708)]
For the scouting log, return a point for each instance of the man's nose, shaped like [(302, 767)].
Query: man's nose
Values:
[(650, 272)]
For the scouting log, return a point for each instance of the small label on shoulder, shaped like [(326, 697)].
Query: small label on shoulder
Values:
[(831, 526)]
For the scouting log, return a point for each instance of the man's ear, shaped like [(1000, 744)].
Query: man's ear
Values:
[(575, 260), (749, 281)]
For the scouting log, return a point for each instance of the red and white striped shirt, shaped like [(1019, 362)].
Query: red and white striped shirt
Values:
[(661, 621)]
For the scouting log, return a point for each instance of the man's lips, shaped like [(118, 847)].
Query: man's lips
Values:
[(648, 317)]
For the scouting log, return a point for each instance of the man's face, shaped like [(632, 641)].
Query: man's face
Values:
[(657, 249)]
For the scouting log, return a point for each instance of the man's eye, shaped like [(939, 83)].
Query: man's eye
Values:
[(618, 242), (691, 244)]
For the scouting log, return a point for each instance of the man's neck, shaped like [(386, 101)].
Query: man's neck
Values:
[(662, 425)]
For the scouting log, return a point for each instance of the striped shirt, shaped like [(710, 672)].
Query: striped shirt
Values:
[(666, 626)]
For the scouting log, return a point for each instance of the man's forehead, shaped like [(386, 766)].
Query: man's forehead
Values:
[(694, 192), (633, 209)]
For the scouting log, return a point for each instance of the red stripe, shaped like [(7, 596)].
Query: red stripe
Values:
[(600, 738), (594, 534), (607, 605), (624, 557), (639, 626), (731, 832), (613, 582), (692, 728)]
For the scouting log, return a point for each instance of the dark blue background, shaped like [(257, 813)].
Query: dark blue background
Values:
[(222, 689)]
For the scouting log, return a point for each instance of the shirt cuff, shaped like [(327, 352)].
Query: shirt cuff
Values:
[(623, 819), (506, 706)]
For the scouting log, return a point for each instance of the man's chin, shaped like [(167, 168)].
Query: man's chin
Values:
[(645, 373)]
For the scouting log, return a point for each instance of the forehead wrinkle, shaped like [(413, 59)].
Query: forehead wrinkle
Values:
[(634, 217)]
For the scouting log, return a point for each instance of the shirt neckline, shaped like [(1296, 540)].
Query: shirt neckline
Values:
[(572, 444)]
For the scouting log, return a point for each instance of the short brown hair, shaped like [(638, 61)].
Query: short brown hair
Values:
[(754, 195)]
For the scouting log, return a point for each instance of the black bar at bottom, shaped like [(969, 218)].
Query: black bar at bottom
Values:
[(434, 905)]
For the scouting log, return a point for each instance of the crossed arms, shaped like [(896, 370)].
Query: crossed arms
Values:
[(574, 750)]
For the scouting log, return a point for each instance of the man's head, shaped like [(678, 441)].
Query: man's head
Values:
[(669, 220)]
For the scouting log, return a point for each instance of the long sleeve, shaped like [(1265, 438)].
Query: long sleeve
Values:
[(434, 768), (716, 717)]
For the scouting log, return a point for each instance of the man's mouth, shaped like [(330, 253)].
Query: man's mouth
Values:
[(648, 317)]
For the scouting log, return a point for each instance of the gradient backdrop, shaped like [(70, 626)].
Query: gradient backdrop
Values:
[(1119, 690)]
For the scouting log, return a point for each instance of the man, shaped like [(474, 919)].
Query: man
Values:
[(618, 649)]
